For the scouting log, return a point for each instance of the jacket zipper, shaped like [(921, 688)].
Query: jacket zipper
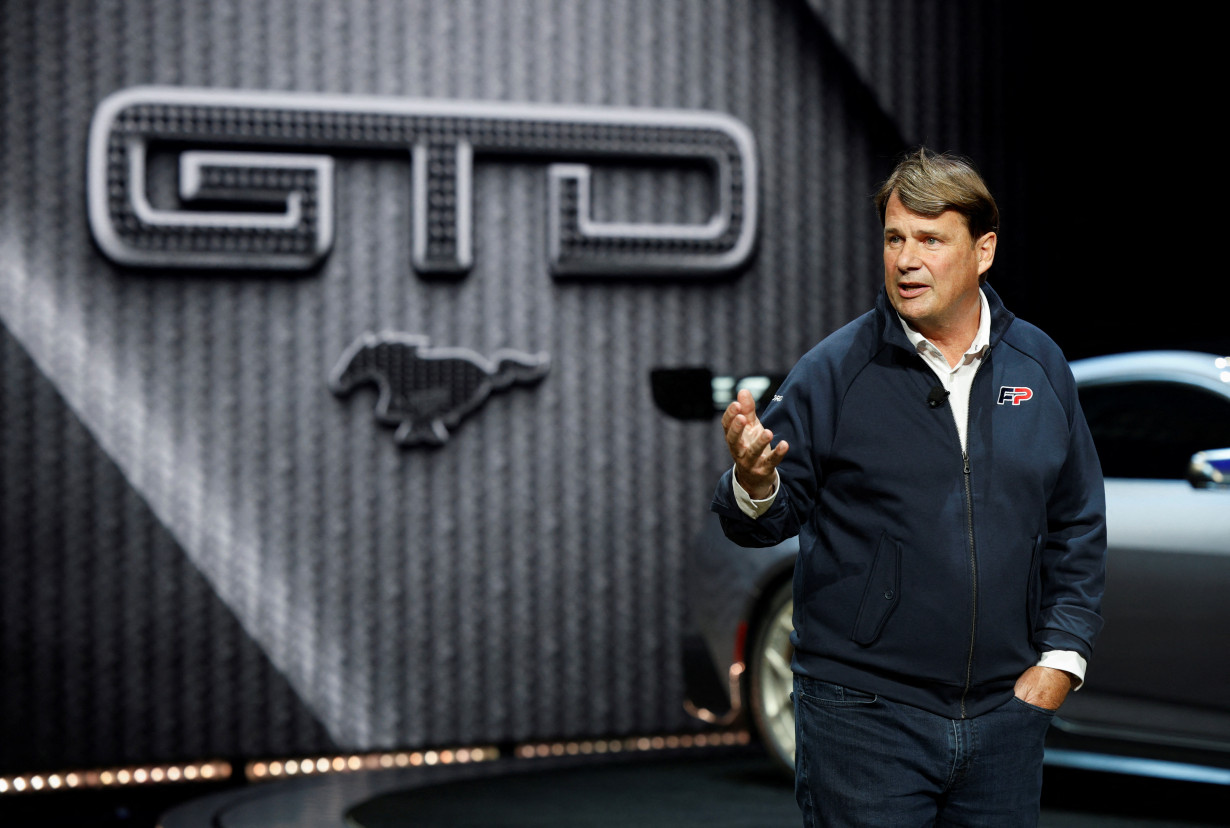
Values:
[(973, 565), (969, 529)]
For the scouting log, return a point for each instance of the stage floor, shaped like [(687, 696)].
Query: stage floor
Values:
[(734, 787), (728, 788)]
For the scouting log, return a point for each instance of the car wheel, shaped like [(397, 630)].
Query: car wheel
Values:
[(770, 680)]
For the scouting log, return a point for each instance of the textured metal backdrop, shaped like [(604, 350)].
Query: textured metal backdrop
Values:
[(206, 552)]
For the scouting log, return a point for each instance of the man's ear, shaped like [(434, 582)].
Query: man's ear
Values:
[(985, 248)]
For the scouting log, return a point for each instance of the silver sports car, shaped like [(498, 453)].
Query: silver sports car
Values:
[(1159, 682)]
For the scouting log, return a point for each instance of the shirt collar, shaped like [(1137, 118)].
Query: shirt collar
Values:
[(977, 348)]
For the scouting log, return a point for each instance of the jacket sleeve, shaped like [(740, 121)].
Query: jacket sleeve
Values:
[(789, 418), (1073, 567)]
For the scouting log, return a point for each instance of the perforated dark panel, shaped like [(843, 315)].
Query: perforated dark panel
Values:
[(114, 648)]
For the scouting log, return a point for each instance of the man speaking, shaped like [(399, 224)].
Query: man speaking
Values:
[(933, 459)]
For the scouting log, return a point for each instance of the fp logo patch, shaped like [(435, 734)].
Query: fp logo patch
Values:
[(1016, 396)]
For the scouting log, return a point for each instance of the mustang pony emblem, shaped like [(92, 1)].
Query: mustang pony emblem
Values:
[(426, 391)]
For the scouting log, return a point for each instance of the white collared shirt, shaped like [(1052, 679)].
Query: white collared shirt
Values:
[(957, 380)]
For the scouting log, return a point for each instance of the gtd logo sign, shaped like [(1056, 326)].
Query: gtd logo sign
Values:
[(1016, 396), (256, 178), (256, 193)]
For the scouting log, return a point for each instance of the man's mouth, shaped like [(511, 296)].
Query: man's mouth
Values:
[(911, 290)]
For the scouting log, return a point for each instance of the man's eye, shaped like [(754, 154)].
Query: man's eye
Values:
[(932, 241)]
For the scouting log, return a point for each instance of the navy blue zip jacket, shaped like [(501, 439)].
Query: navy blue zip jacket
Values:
[(924, 575)]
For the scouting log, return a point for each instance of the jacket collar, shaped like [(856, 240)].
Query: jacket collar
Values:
[(890, 324)]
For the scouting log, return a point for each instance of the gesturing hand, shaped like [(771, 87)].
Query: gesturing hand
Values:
[(748, 441)]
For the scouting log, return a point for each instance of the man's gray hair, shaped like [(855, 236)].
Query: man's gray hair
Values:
[(930, 183)]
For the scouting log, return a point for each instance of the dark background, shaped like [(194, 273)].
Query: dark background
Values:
[(1123, 245)]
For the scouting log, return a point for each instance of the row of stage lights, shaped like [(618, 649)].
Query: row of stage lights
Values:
[(215, 771), (256, 771), (542, 750)]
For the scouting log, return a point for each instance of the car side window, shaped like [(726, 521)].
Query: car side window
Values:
[(1151, 429)]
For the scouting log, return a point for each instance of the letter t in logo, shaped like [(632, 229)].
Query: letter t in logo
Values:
[(1016, 396)]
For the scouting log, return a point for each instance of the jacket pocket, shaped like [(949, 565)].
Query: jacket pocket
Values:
[(882, 593), (1033, 593)]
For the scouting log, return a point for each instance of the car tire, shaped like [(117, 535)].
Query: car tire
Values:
[(770, 680)]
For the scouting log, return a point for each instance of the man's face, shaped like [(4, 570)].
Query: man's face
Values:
[(931, 269)]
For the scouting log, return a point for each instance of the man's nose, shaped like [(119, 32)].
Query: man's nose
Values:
[(907, 256)]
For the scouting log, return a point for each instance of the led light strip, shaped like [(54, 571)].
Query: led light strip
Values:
[(265, 770), (350, 763), (116, 777), (542, 750)]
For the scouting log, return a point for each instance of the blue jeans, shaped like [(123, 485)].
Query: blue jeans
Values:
[(862, 760)]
